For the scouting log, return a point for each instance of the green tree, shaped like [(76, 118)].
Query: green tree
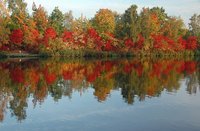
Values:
[(131, 23), (119, 25), (56, 20), (194, 26)]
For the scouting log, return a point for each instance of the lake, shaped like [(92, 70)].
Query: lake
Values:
[(95, 95)]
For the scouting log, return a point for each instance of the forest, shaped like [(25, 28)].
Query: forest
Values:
[(146, 32)]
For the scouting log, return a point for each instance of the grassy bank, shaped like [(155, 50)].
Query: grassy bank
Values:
[(103, 54)]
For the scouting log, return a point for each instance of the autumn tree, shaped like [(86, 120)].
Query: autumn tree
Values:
[(56, 20), (80, 24), (174, 28), (194, 26), (104, 21), (4, 20), (31, 34), (18, 13), (152, 21), (40, 17), (79, 28), (16, 37)]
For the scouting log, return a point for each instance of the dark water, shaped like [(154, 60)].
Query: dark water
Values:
[(118, 95)]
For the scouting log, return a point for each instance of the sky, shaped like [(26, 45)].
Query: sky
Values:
[(183, 8)]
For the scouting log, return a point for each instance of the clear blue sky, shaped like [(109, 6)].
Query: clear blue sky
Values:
[(183, 8)]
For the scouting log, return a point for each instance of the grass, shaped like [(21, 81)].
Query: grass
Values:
[(104, 54)]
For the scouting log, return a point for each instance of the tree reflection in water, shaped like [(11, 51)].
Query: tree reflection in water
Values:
[(134, 78)]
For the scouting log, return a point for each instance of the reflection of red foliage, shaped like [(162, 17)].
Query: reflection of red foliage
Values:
[(128, 68), (91, 78), (140, 42), (181, 67), (157, 69), (17, 75), (190, 67), (150, 91), (49, 77), (16, 36), (139, 69), (108, 65), (168, 69), (35, 77), (67, 75)]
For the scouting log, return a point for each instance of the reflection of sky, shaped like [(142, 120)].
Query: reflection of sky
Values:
[(183, 8), (177, 111)]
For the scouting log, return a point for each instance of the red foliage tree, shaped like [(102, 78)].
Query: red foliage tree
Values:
[(99, 42), (108, 46), (140, 42), (36, 35), (92, 33), (157, 41), (191, 43), (129, 43), (182, 43), (67, 36), (49, 33), (16, 37)]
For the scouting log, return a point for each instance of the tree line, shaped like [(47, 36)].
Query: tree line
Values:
[(147, 31)]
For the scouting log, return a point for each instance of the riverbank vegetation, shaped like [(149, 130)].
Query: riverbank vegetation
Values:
[(148, 32)]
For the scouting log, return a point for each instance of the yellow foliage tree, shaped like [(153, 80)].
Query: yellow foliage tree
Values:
[(104, 21)]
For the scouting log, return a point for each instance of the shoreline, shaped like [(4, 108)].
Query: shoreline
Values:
[(102, 55)]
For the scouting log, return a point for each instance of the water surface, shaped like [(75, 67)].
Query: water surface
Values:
[(119, 95)]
